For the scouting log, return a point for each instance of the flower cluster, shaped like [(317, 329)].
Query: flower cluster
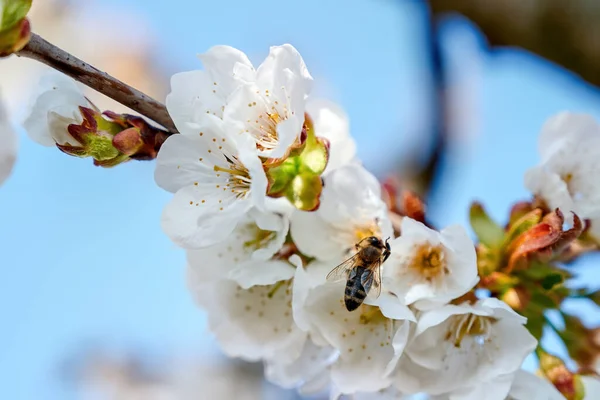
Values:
[(335, 282), (258, 260)]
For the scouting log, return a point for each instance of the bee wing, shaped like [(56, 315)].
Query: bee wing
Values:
[(341, 271), (372, 279)]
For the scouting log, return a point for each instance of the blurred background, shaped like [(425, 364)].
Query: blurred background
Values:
[(93, 303)]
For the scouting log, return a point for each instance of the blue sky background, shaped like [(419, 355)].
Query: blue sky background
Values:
[(83, 259)]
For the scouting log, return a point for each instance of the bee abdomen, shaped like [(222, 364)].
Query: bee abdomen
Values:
[(355, 293)]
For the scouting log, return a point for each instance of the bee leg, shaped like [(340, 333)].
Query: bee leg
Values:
[(386, 254)]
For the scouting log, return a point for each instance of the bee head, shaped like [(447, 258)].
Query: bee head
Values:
[(375, 241)]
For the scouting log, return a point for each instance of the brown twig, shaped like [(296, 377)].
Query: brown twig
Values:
[(40, 50), (564, 32)]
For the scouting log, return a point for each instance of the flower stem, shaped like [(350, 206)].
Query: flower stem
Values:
[(41, 50)]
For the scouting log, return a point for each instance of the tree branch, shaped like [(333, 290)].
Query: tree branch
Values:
[(45, 52), (565, 32)]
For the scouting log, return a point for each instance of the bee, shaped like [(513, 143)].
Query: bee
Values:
[(362, 271)]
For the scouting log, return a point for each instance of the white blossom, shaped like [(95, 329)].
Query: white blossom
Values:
[(591, 386), (389, 393), (331, 122), (457, 346), (8, 149), (521, 385), (430, 268), (567, 176), (216, 181), (369, 340), (351, 209), (309, 373), (252, 324), (245, 256), (267, 103), (55, 107)]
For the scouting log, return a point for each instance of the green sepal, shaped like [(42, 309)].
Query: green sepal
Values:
[(298, 177), (100, 146), (315, 155), (304, 191), (279, 177), (488, 232)]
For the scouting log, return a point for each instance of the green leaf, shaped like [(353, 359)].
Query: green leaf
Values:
[(535, 323), (543, 301), (488, 232), (13, 11), (552, 280)]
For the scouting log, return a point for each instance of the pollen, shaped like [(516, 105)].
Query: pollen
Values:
[(370, 314), (214, 139), (203, 201), (429, 261), (201, 133), (365, 231), (195, 183), (200, 159), (191, 202)]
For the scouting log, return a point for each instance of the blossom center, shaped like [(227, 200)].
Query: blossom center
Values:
[(365, 231), (238, 180), (371, 314), (472, 326), (567, 178), (258, 238), (267, 127), (429, 261)]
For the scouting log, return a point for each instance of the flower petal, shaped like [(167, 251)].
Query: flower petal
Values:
[(304, 372), (331, 122), (253, 273), (195, 219), (255, 323), (56, 105), (196, 95), (527, 386)]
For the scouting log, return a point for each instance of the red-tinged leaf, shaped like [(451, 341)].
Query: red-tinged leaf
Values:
[(537, 240), (519, 210), (534, 240), (565, 381), (524, 223), (75, 151), (412, 206), (128, 141), (390, 189)]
